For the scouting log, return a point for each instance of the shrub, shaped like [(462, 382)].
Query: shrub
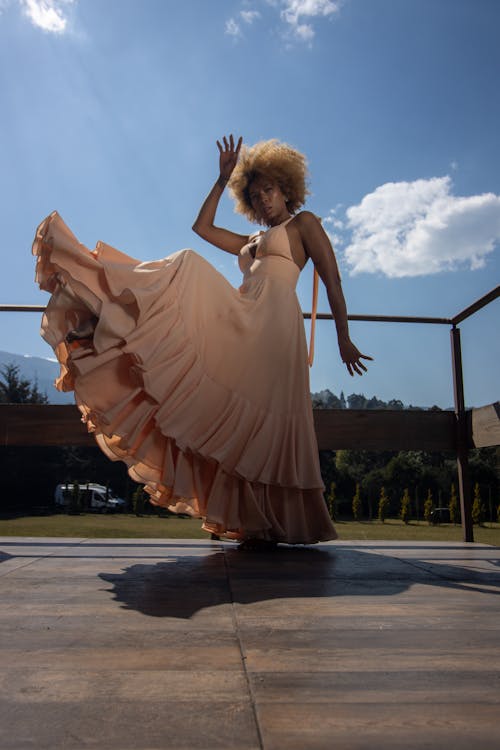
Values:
[(453, 505), (428, 506), (75, 503), (405, 507), (383, 505), (138, 501), (357, 508), (331, 500), (477, 507)]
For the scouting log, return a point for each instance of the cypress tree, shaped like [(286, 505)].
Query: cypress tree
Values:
[(477, 506), (330, 501), (428, 506), (453, 505), (138, 501), (405, 507), (357, 508), (383, 505), (75, 501)]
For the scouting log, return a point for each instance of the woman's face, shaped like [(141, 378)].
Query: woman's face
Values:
[(268, 201)]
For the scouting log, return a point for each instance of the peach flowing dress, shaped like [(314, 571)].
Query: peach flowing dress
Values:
[(200, 388)]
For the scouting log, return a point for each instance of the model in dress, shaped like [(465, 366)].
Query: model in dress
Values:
[(200, 388)]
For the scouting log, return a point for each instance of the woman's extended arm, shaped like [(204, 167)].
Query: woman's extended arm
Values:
[(204, 225), (319, 249)]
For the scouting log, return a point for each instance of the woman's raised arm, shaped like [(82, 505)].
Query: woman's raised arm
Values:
[(204, 225)]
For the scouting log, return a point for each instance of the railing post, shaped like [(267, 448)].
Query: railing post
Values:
[(462, 437)]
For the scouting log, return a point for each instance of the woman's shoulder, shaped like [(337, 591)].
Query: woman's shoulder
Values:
[(305, 220), (307, 217)]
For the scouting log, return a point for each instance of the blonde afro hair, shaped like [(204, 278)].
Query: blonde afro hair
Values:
[(276, 161)]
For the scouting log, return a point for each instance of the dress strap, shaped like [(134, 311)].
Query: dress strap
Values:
[(313, 316)]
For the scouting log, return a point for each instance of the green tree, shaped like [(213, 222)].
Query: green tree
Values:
[(428, 506), (138, 501), (331, 501), (396, 403), (453, 505), (405, 506), (357, 507), (477, 506), (17, 390), (403, 470), (75, 504), (356, 401), (327, 400), (383, 505)]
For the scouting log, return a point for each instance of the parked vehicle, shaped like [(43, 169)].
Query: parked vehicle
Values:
[(93, 497)]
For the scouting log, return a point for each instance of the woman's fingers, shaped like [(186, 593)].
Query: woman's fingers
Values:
[(356, 365), (229, 145)]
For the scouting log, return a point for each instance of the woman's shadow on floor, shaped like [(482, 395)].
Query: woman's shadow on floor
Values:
[(182, 585)]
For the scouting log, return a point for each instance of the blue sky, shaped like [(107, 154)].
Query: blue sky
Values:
[(110, 110)]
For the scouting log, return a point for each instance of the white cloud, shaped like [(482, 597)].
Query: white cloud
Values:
[(249, 16), (334, 221), (233, 25), (420, 228), (296, 17), (232, 28), (296, 10), (48, 15), (304, 32), (334, 227)]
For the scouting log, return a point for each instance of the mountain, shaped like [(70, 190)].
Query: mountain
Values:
[(43, 371)]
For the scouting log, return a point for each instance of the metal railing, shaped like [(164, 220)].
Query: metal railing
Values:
[(462, 440)]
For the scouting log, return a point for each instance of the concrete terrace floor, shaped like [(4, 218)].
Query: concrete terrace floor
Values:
[(155, 644)]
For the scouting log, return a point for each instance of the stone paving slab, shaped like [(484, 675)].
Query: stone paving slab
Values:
[(184, 644)]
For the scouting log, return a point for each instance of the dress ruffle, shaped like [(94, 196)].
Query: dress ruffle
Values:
[(175, 383)]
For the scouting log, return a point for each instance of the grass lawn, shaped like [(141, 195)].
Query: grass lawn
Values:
[(108, 526), (417, 531), (89, 525)]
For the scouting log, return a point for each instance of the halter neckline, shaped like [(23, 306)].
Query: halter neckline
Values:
[(282, 223)]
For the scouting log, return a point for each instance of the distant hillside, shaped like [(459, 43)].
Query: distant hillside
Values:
[(42, 370), (327, 400)]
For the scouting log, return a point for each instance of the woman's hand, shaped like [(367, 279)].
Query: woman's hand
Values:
[(228, 156), (351, 356)]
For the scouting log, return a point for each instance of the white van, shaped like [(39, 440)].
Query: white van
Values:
[(93, 497)]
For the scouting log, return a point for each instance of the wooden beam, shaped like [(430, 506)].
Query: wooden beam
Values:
[(30, 424), (42, 425), (371, 429), (486, 426)]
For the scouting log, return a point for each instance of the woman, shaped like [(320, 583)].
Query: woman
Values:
[(203, 389)]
